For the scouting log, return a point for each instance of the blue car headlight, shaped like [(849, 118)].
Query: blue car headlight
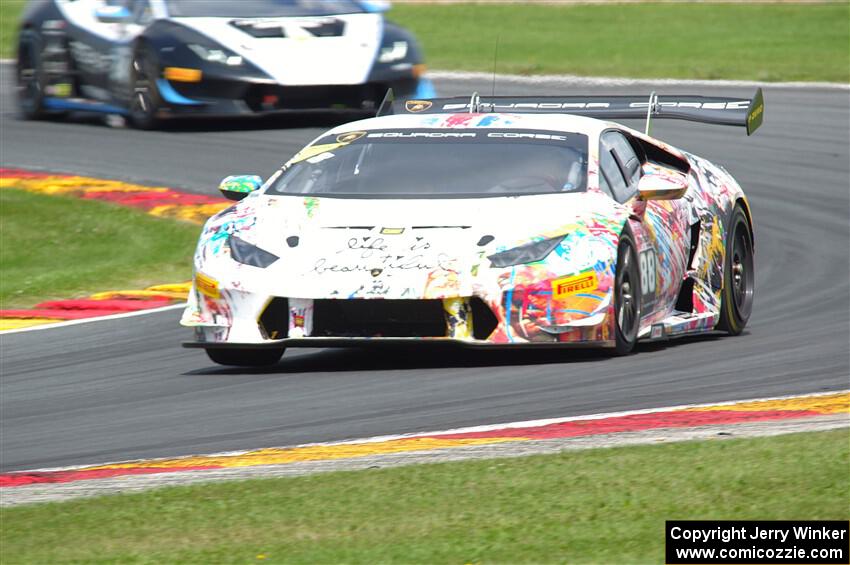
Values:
[(528, 253), (397, 51), (215, 54), (249, 254)]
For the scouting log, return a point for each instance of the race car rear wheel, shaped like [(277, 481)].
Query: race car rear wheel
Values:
[(738, 282), (31, 77), (144, 98), (626, 296), (245, 357)]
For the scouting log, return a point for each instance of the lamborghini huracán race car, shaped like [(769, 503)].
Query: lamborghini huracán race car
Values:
[(484, 222)]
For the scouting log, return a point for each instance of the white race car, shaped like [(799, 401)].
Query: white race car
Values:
[(498, 222)]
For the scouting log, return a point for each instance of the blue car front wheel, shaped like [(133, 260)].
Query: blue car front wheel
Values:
[(145, 101)]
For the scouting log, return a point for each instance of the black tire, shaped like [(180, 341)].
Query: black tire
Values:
[(736, 303), (627, 295), (245, 357), (145, 101), (30, 75)]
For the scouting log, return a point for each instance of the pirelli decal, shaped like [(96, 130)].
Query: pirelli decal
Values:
[(566, 286)]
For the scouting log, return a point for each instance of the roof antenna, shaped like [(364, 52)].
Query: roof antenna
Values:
[(386, 107), (651, 108), (474, 103)]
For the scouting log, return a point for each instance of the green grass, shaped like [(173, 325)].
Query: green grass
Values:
[(604, 506), (773, 42), (10, 11), (770, 42), (62, 247)]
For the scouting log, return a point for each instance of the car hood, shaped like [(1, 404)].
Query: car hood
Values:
[(300, 58), (341, 248)]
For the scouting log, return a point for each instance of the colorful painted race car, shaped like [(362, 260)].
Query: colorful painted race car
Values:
[(150, 59), (484, 222)]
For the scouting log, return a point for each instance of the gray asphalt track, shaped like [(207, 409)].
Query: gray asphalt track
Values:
[(124, 389)]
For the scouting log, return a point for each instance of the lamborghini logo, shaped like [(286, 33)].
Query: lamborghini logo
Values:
[(350, 136), (417, 105)]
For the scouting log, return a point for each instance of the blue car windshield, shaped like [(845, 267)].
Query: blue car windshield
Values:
[(261, 8), (437, 163)]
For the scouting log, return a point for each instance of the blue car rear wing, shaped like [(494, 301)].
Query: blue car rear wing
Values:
[(717, 110)]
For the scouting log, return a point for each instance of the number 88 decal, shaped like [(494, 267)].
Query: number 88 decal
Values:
[(647, 272)]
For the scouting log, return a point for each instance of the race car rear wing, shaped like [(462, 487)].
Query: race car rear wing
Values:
[(706, 109)]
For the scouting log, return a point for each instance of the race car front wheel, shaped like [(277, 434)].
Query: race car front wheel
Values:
[(626, 296), (738, 282), (31, 78), (245, 357), (145, 100)]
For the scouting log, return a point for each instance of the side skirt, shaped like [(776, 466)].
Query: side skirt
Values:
[(679, 324)]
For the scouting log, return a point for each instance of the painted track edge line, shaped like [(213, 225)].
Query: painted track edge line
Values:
[(463, 430), (628, 81), (94, 319)]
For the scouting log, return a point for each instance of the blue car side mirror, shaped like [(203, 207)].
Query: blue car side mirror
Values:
[(113, 14), (375, 6), (237, 187)]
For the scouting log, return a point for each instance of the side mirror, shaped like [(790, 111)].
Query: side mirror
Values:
[(113, 15), (664, 184), (237, 187)]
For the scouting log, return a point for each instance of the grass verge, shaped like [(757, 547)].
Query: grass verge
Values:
[(10, 12), (61, 247), (604, 505), (766, 42)]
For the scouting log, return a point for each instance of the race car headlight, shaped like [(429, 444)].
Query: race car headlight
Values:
[(528, 253), (392, 53), (216, 55), (248, 254)]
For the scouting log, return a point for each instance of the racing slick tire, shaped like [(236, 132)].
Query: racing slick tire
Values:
[(145, 100), (30, 77), (627, 308), (245, 357), (736, 302)]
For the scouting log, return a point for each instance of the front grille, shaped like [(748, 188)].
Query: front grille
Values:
[(261, 97), (378, 318), (212, 87), (375, 318)]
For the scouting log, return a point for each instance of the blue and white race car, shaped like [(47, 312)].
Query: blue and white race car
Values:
[(151, 59)]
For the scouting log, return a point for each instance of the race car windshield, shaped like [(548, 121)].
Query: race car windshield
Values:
[(261, 8), (437, 163)]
